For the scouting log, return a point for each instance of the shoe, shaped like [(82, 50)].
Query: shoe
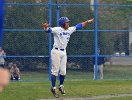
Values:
[(61, 89), (53, 90)]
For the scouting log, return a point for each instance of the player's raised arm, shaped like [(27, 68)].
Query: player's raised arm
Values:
[(83, 24)]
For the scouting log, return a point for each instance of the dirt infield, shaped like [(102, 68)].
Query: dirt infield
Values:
[(92, 97)]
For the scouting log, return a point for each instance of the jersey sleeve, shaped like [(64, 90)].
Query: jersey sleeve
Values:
[(51, 30), (17, 69), (72, 29), (77, 27), (54, 30)]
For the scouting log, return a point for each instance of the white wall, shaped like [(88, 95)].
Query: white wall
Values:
[(130, 35)]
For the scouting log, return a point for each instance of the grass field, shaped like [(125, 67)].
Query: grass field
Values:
[(85, 88), (110, 72), (35, 85)]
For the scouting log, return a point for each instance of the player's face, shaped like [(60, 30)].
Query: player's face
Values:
[(66, 25), (14, 65)]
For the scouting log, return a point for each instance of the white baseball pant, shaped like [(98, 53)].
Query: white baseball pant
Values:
[(59, 60)]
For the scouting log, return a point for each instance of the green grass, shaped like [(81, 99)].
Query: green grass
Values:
[(110, 72), (35, 85), (117, 72), (34, 76), (118, 98), (43, 76), (35, 91)]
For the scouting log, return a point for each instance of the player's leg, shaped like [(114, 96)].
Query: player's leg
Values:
[(62, 73), (55, 57), (101, 71), (12, 78), (16, 77), (12, 75)]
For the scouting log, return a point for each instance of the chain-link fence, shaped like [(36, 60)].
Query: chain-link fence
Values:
[(28, 45)]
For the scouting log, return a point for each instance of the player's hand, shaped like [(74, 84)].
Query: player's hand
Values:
[(45, 25), (91, 20)]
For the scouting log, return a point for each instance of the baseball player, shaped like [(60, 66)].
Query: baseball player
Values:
[(15, 72), (58, 53), (2, 55)]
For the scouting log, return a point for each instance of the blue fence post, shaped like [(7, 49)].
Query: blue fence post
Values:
[(57, 17), (50, 36), (58, 13), (96, 38), (1, 21)]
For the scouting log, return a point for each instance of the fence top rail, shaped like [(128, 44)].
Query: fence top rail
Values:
[(42, 4), (35, 56)]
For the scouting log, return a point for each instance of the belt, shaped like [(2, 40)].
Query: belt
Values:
[(59, 49)]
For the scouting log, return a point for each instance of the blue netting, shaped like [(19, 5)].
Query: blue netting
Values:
[(26, 43)]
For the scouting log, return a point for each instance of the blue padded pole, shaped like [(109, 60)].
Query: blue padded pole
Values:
[(1, 21), (96, 38), (50, 36), (58, 13), (57, 17)]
